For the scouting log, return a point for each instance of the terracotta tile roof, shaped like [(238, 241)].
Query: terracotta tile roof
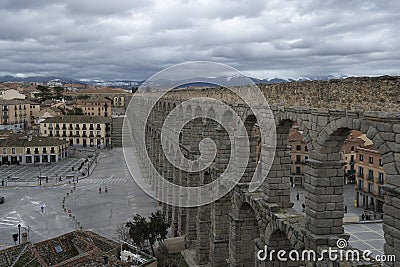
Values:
[(77, 248)]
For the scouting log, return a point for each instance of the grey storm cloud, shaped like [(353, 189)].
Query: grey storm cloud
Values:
[(124, 39)]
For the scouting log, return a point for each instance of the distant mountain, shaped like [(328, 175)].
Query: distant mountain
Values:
[(234, 80)]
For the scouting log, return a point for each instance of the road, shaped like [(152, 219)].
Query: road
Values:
[(98, 212)]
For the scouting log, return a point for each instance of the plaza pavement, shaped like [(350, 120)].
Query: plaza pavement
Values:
[(101, 213), (362, 235)]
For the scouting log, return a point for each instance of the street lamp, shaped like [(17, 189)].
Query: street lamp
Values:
[(19, 233)]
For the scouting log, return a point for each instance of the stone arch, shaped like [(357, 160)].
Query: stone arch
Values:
[(255, 142), (325, 172), (243, 235)]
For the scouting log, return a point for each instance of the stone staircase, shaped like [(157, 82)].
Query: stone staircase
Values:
[(116, 135)]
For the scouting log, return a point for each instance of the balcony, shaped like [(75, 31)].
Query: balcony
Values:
[(351, 172), (84, 135), (91, 128), (57, 127), (98, 128), (91, 135), (84, 127)]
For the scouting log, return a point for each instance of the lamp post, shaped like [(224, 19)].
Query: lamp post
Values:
[(40, 176), (19, 233)]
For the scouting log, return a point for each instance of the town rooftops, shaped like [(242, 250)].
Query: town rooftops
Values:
[(17, 102), (19, 140), (77, 248), (94, 99), (77, 119)]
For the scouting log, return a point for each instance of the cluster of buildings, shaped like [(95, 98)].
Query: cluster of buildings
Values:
[(33, 131), (363, 167)]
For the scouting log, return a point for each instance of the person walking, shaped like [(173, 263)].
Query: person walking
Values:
[(100, 190)]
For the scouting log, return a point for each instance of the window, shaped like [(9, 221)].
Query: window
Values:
[(361, 172), (380, 177), (361, 157), (13, 150), (4, 150), (352, 148), (360, 184), (370, 187), (298, 158), (305, 158), (371, 160), (305, 148), (352, 158), (44, 124), (370, 174), (298, 147), (45, 132), (298, 170), (380, 162)]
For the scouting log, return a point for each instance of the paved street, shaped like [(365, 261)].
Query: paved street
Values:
[(30, 173), (362, 236), (98, 212)]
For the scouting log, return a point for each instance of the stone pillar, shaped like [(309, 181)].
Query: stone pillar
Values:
[(277, 184), (391, 219), (219, 250), (324, 202)]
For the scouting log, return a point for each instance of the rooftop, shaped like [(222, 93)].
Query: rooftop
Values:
[(77, 248), (19, 140), (77, 119)]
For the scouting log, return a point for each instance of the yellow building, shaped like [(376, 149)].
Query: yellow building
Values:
[(370, 178), (95, 106), (299, 155), (79, 130), (16, 114), (22, 149)]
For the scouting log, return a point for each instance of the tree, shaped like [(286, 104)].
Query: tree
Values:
[(142, 231)]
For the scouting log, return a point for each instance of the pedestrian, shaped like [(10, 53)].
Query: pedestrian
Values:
[(297, 196), (42, 208), (47, 179), (100, 190), (363, 217)]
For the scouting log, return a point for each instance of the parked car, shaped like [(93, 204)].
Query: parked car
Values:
[(1, 200)]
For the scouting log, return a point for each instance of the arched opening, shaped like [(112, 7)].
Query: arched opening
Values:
[(277, 241), (244, 232), (345, 185), (253, 133)]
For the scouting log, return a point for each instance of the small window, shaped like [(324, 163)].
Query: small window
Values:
[(370, 188), (58, 249), (361, 157), (13, 150), (298, 158), (298, 170), (352, 148), (370, 174), (380, 162), (361, 171), (371, 160), (298, 147)]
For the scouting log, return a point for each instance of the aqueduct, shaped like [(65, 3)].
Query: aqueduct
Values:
[(230, 230)]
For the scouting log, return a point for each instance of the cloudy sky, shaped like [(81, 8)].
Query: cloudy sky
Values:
[(133, 39)]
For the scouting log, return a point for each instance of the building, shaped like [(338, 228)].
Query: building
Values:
[(370, 178), (11, 94), (299, 155), (17, 114), (349, 155), (77, 248), (22, 149), (95, 106), (79, 130)]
